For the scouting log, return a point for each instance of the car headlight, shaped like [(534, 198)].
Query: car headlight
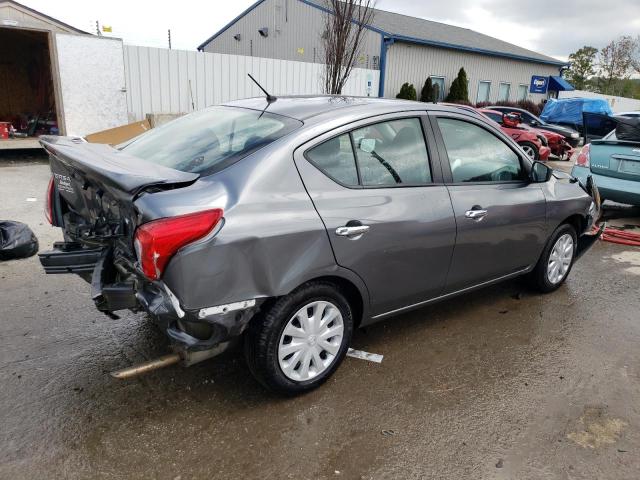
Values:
[(575, 135)]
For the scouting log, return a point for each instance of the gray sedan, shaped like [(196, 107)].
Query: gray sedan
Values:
[(289, 223)]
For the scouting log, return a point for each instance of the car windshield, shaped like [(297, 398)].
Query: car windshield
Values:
[(207, 141)]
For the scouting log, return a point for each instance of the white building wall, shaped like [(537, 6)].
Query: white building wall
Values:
[(414, 63), (179, 81), (294, 34), (618, 104)]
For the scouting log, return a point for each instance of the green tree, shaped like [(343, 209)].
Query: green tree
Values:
[(407, 92), (582, 66), (459, 91), (426, 95)]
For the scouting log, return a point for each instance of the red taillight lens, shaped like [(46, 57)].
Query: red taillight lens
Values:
[(584, 157), (156, 242), (48, 205)]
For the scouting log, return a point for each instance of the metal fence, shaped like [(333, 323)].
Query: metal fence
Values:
[(179, 81)]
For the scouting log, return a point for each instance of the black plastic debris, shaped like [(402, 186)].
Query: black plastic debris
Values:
[(628, 129), (17, 240)]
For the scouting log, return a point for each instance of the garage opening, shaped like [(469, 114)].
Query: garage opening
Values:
[(27, 95)]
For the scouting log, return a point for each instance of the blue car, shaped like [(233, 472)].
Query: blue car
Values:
[(614, 164)]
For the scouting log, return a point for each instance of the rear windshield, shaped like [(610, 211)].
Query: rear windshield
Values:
[(207, 141)]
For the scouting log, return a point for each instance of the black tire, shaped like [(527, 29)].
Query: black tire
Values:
[(533, 147), (262, 338), (538, 278)]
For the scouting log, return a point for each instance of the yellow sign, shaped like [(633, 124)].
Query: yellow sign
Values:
[(301, 51), (106, 28)]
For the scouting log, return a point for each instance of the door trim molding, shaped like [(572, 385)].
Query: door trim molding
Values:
[(452, 294)]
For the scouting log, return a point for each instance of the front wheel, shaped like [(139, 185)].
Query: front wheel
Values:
[(556, 260), (530, 149), (301, 339)]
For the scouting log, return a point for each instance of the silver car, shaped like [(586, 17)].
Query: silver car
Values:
[(290, 223)]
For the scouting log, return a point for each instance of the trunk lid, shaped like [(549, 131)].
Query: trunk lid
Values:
[(616, 158), (98, 185)]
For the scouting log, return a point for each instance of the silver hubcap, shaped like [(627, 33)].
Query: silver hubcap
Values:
[(560, 258), (529, 151), (310, 341)]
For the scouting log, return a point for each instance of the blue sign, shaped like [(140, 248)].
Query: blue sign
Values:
[(538, 84)]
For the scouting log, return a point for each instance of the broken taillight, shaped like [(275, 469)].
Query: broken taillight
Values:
[(584, 157), (49, 202), (157, 241)]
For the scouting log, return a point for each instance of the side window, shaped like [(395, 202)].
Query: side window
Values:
[(392, 153), (335, 158), (496, 117), (476, 155)]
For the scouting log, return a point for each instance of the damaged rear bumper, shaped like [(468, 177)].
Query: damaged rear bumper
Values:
[(117, 285)]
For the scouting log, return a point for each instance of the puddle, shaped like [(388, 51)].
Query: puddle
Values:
[(630, 257)]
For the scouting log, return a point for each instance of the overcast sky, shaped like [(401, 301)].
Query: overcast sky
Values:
[(553, 27)]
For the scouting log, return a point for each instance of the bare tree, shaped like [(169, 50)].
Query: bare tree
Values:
[(342, 38), (617, 61)]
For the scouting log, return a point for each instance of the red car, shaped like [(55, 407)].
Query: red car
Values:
[(528, 139), (556, 142)]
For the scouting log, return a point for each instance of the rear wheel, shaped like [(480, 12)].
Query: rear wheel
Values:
[(530, 149), (556, 260), (299, 341)]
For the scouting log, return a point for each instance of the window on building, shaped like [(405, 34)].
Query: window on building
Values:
[(439, 81), (476, 155), (523, 90), (504, 91), (484, 90)]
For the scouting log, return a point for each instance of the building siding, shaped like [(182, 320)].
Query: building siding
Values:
[(295, 29), (26, 19), (414, 63)]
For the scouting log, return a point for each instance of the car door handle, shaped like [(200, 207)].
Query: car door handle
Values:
[(476, 215), (353, 231)]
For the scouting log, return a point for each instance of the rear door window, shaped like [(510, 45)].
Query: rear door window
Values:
[(392, 153), (477, 155), (335, 158)]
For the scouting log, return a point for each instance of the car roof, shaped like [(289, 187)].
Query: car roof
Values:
[(304, 107), (506, 107)]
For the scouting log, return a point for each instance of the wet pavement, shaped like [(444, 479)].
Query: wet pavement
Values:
[(499, 384)]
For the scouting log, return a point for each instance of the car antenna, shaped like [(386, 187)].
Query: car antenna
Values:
[(270, 98)]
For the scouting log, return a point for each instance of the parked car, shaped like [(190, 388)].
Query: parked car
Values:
[(534, 144), (614, 163), (568, 112), (290, 223), (571, 136), (627, 114)]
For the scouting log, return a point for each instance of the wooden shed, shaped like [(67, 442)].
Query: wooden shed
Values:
[(55, 78)]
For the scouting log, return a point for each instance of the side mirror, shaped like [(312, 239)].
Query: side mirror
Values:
[(534, 123), (540, 172)]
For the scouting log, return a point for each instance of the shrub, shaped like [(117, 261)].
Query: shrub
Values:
[(459, 91), (528, 105), (407, 92), (427, 94)]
